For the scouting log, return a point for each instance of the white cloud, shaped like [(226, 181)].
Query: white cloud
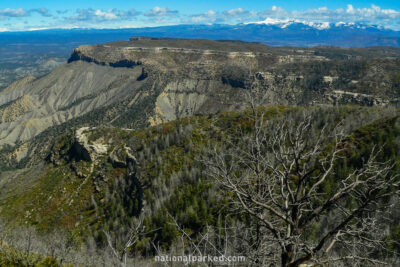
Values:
[(132, 13), (231, 16), (274, 11), (61, 12), (210, 13), (105, 15), (42, 11), (161, 12), (94, 16), (236, 12), (18, 12), (206, 17), (350, 9), (320, 18)]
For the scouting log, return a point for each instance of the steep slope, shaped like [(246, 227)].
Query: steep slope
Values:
[(148, 81), (69, 91), (84, 184)]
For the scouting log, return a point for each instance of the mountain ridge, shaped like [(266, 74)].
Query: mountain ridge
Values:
[(271, 32), (148, 81)]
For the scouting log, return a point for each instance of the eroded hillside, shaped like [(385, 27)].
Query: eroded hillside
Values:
[(148, 81)]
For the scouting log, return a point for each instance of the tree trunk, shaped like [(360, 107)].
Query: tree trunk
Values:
[(287, 256)]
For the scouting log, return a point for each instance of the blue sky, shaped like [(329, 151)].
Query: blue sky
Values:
[(29, 15)]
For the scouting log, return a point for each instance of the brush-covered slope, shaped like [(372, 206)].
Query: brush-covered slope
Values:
[(83, 184), (148, 81)]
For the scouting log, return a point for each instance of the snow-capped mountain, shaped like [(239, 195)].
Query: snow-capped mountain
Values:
[(283, 32), (284, 23)]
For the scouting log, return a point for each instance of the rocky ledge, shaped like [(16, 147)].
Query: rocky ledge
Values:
[(79, 54), (82, 150)]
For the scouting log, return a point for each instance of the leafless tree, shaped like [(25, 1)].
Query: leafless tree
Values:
[(276, 174), (120, 249), (212, 241)]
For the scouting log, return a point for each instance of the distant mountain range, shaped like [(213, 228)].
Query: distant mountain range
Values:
[(304, 25), (303, 33), (273, 32)]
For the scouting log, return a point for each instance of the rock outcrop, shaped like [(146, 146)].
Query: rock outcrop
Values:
[(338, 97), (79, 54), (120, 157), (83, 150)]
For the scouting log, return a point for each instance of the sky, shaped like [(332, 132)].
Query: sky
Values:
[(22, 15)]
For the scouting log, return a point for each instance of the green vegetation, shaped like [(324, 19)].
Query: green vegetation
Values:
[(90, 198), (14, 258)]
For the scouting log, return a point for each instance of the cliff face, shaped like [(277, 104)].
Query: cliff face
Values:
[(70, 91), (147, 82), (83, 54)]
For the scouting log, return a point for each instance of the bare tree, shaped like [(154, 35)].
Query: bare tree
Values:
[(120, 249), (211, 242), (276, 174)]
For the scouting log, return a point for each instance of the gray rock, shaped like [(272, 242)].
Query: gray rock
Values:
[(82, 150)]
